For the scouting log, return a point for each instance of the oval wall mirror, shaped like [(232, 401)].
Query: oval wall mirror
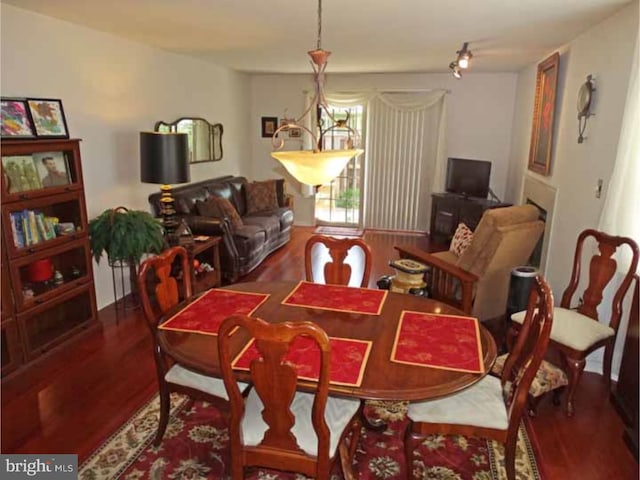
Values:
[(205, 139)]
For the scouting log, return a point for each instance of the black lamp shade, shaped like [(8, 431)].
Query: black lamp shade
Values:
[(164, 157)]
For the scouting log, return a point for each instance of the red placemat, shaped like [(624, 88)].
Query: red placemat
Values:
[(448, 342), (348, 359), (206, 314), (338, 298)]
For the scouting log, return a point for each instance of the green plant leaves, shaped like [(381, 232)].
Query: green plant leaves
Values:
[(125, 235)]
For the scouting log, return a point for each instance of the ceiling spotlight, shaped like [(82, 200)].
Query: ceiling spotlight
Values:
[(464, 56), (456, 69)]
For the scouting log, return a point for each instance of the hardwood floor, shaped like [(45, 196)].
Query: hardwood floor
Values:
[(76, 397)]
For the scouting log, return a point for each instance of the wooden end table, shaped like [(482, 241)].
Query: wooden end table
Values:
[(205, 251)]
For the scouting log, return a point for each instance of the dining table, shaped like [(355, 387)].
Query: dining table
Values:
[(382, 378)]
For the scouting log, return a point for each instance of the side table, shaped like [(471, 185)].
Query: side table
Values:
[(206, 251)]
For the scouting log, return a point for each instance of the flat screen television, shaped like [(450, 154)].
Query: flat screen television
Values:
[(468, 177)]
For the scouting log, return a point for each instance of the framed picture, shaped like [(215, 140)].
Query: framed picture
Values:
[(52, 169), (16, 121), (295, 132), (48, 117), (20, 174), (269, 126), (543, 115)]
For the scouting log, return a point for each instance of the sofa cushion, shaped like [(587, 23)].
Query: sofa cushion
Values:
[(222, 190), (261, 196), (185, 202), (270, 224), (237, 185), (249, 239), (284, 215)]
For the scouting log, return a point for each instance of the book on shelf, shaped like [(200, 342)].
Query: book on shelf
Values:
[(16, 229), (30, 227), (33, 226)]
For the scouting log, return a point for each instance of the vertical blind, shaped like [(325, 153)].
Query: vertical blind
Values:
[(404, 150)]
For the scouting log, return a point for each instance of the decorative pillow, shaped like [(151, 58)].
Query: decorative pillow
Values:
[(208, 208), (230, 212), (461, 239), (261, 196), (221, 208)]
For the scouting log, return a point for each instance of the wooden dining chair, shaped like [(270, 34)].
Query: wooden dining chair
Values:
[(275, 426), (576, 331), (348, 261), (161, 287), (493, 407)]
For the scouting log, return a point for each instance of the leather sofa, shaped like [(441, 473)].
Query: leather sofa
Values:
[(243, 247)]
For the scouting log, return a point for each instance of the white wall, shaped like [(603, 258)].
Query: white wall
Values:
[(111, 90), (604, 51), (479, 115)]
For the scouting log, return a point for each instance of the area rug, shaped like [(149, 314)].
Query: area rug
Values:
[(339, 231), (195, 446)]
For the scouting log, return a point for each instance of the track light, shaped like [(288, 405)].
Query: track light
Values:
[(456, 69), (464, 56)]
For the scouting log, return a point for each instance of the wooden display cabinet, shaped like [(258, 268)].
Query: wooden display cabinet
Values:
[(47, 267), (10, 348)]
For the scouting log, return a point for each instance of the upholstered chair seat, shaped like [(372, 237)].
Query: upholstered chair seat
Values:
[(493, 407), (480, 405), (548, 377), (573, 329), (179, 375), (577, 330), (338, 413)]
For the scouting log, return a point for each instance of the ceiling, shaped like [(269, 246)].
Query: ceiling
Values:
[(373, 36)]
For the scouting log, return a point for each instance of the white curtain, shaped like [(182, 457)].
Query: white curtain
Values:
[(404, 157), (404, 160), (621, 212)]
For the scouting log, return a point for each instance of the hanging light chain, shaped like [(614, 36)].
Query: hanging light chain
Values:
[(319, 42)]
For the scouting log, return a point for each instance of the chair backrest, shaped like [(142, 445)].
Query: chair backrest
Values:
[(346, 258), (158, 286), (528, 352), (274, 380), (504, 239), (602, 268)]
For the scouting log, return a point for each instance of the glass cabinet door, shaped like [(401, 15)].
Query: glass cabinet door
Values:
[(43, 276), (39, 169), (43, 223), (68, 313), (10, 350)]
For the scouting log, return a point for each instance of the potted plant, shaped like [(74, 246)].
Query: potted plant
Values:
[(125, 236)]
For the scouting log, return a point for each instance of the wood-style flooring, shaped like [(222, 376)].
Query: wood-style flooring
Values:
[(76, 397)]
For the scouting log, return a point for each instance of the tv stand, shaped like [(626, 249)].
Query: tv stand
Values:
[(450, 209)]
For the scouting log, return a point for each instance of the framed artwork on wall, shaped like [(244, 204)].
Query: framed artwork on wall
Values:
[(48, 117), (269, 126), (16, 121), (543, 115)]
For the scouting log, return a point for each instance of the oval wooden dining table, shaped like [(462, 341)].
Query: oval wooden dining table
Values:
[(383, 379)]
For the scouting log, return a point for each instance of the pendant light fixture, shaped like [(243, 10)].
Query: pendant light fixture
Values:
[(318, 166)]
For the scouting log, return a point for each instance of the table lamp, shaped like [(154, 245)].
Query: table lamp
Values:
[(164, 159)]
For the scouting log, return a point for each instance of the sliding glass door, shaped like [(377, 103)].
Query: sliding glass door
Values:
[(340, 201)]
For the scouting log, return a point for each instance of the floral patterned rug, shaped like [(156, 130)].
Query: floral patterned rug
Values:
[(195, 446)]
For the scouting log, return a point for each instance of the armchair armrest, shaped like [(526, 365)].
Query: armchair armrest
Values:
[(444, 278)]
